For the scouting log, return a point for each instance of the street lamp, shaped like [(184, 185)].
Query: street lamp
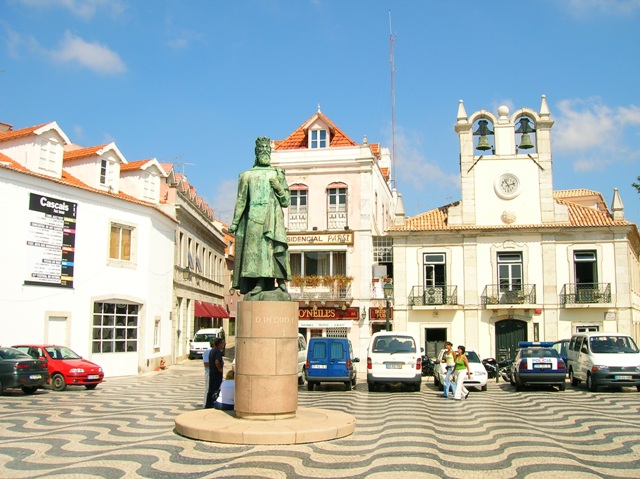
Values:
[(388, 295), (186, 273)]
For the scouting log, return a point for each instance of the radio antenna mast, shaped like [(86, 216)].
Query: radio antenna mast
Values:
[(393, 107)]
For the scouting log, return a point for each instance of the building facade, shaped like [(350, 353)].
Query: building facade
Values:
[(513, 259), (341, 204)]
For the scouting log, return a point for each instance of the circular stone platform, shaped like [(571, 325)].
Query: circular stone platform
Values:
[(309, 425)]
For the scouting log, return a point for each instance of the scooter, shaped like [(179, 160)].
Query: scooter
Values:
[(497, 369)]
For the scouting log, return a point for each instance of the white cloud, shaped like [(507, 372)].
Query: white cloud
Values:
[(85, 9), (583, 8), (595, 131), (414, 168), (94, 56), (224, 200)]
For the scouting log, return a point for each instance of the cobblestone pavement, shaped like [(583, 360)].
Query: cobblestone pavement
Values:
[(124, 429)]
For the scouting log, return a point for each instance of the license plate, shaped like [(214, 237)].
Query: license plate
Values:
[(35, 376), (626, 378), (93, 376), (318, 366), (394, 366), (542, 366)]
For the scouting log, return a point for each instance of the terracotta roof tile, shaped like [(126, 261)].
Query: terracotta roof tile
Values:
[(580, 216), (299, 140), (134, 165), (13, 134), (82, 152)]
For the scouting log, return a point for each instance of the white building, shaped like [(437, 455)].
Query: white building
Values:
[(514, 259), (87, 250), (341, 205)]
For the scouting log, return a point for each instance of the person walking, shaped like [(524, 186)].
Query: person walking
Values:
[(450, 364), (216, 366), (205, 360), (462, 371)]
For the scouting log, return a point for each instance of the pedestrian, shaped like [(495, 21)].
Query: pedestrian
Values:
[(450, 364), (462, 365), (205, 360), (216, 366), (226, 399)]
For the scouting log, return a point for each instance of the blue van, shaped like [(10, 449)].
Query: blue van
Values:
[(330, 360)]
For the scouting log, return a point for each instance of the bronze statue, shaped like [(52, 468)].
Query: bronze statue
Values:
[(261, 252)]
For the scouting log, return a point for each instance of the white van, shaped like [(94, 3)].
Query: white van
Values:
[(302, 357), (603, 359), (200, 342), (394, 357)]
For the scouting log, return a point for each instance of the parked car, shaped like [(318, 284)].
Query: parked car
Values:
[(330, 360), (66, 368), (561, 348), (201, 341), (394, 357), (302, 357), (603, 359), (537, 363), (479, 373), (18, 370)]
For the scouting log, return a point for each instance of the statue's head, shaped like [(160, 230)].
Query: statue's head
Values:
[(263, 151)]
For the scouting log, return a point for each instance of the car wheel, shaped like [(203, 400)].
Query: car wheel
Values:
[(29, 389), (574, 381), (90, 387), (353, 382), (637, 388), (347, 385), (57, 382), (518, 385), (310, 386), (562, 386), (300, 380), (417, 387), (484, 388), (436, 381), (592, 387), (371, 386)]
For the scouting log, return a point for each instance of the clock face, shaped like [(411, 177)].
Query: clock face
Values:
[(507, 186)]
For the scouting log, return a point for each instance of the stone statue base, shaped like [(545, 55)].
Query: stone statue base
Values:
[(268, 296)]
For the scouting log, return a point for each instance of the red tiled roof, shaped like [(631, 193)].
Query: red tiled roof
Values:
[(579, 217), (13, 134), (299, 140), (134, 165), (82, 152)]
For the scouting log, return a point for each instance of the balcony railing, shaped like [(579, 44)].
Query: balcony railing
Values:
[(433, 295), (494, 294), (590, 293), (320, 289)]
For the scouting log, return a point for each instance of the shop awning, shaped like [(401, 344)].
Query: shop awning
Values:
[(209, 310)]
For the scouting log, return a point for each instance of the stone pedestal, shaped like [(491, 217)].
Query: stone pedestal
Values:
[(266, 381)]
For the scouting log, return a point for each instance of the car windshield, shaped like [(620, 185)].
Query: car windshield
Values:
[(612, 344), (204, 338), (10, 353), (472, 357), (61, 352), (394, 344), (539, 353)]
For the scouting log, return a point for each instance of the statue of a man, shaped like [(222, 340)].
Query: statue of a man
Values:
[(261, 252)]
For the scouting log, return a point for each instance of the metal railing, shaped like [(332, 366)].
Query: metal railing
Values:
[(325, 293), (578, 293), (433, 295), (495, 294)]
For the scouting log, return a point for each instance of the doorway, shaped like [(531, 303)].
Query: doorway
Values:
[(434, 339), (509, 333)]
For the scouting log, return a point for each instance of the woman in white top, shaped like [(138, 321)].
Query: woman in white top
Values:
[(226, 398)]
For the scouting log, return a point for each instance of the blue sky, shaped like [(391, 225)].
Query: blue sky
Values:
[(194, 82)]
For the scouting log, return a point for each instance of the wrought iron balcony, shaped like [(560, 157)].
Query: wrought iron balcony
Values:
[(590, 293), (433, 295), (495, 294)]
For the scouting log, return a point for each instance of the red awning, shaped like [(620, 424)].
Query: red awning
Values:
[(209, 310)]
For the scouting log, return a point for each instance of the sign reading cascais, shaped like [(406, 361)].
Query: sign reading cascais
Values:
[(320, 238)]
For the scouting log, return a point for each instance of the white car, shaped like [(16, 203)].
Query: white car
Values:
[(394, 357), (478, 372)]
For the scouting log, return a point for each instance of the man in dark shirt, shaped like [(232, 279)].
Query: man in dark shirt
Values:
[(216, 366)]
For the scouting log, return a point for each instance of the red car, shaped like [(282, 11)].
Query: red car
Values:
[(66, 368)]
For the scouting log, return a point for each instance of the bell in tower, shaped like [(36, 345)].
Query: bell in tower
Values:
[(482, 131), (525, 129)]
